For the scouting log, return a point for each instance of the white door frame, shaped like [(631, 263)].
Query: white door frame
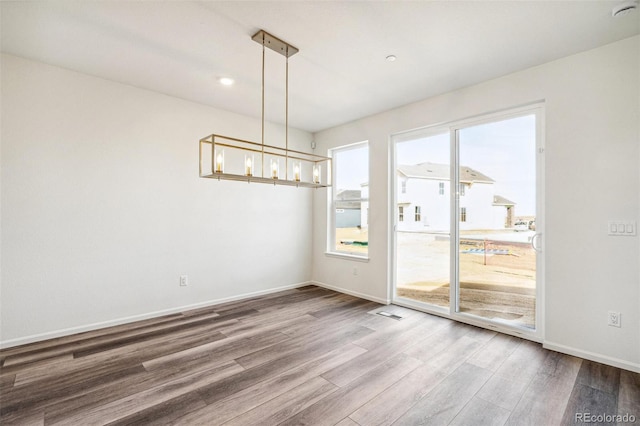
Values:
[(452, 128)]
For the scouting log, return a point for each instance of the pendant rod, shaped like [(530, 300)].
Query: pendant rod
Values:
[(286, 111), (263, 51)]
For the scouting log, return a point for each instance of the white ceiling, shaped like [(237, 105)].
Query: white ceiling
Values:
[(180, 48)]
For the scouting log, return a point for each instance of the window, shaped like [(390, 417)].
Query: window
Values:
[(417, 214), (462, 186), (400, 214), (463, 214), (404, 186), (441, 188), (349, 206)]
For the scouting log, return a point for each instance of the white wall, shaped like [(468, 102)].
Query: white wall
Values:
[(103, 209), (592, 176)]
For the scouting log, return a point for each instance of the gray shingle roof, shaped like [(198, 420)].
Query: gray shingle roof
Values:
[(345, 197), (442, 172)]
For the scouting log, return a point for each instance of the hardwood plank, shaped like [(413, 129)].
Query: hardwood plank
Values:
[(480, 334), (286, 405), (225, 349), (24, 418), (122, 358), (6, 382), (503, 392), (43, 364), (455, 355), (560, 365), (49, 343), (39, 370), (438, 341), (102, 394), (524, 362), (164, 412), (122, 408), (495, 352), (287, 297), (188, 368), (286, 324), (479, 412), (444, 402), (544, 401), (281, 364), (347, 422), (148, 331), (315, 333), (585, 400), (599, 376), (30, 397), (339, 404), (394, 344), (392, 332), (629, 394), (149, 336), (391, 404), (249, 398)]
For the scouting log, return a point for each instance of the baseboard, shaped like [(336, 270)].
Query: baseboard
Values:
[(98, 325), (352, 293), (592, 356)]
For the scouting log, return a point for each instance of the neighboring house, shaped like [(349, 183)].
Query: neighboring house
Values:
[(423, 201), (348, 207)]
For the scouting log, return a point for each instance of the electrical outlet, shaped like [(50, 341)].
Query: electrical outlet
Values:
[(184, 280), (614, 319)]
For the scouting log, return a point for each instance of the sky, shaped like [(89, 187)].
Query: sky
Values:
[(503, 150)]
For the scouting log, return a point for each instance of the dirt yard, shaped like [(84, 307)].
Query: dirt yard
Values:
[(351, 234), (499, 285)]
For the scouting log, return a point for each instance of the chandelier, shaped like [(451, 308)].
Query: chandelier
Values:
[(228, 158)]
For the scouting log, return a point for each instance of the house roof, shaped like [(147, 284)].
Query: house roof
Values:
[(499, 200), (438, 171), (348, 198)]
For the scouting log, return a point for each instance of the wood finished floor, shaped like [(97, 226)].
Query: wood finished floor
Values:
[(307, 356)]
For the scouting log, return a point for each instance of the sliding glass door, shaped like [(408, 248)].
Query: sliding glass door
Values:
[(423, 219), (496, 220), (467, 220)]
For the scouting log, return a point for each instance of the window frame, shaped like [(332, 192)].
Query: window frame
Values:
[(417, 214), (400, 213), (331, 249)]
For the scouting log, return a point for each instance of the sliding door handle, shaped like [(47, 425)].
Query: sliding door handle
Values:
[(534, 241)]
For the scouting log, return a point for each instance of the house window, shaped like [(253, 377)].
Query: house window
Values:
[(349, 205), (462, 186), (441, 188), (417, 214), (463, 214), (400, 213), (404, 186)]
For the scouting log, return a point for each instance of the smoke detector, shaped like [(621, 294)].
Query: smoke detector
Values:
[(624, 8)]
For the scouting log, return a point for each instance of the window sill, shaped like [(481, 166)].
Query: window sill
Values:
[(346, 256)]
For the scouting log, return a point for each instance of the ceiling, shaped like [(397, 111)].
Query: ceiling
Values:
[(181, 48)]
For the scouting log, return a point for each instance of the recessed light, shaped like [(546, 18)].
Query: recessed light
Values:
[(226, 81), (391, 58)]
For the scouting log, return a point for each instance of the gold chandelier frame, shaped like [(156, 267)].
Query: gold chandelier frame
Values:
[(250, 161)]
